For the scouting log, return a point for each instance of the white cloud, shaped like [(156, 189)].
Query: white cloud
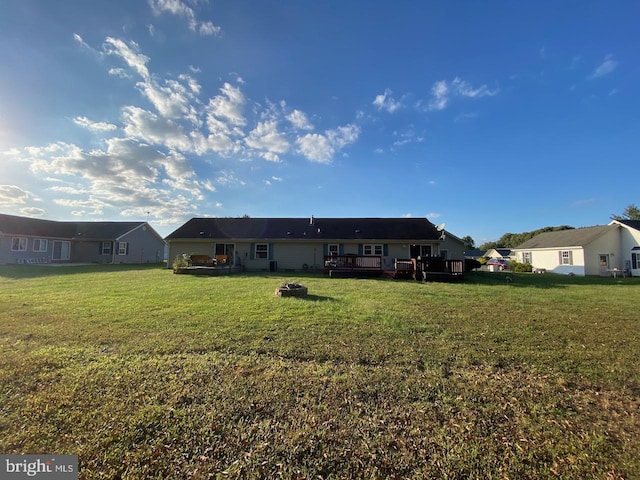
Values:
[(299, 120), (119, 72), (228, 178), (433, 215), (386, 103), (605, 68), (439, 96), (266, 138), (208, 28), (321, 148), (129, 53), (13, 195), (316, 148), (84, 122), (32, 212), (227, 107), (464, 89), (81, 41), (181, 9), (149, 127), (442, 92)]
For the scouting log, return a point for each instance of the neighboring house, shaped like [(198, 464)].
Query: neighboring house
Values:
[(33, 240), (630, 247), (302, 243), (581, 251), (474, 254), (498, 253)]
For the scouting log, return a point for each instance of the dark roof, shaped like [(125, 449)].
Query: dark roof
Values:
[(36, 227), (306, 228), (577, 237), (635, 224)]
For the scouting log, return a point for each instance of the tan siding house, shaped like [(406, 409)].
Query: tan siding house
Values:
[(300, 244)]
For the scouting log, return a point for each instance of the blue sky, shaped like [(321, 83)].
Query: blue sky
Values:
[(491, 117)]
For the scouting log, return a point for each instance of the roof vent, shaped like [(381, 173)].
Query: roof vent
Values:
[(311, 220)]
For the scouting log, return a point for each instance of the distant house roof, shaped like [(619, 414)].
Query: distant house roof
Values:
[(37, 227), (577, 237), (308, 228), (475, 253), (635, 224)]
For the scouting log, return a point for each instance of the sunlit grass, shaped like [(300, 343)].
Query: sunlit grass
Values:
[(146, 374)]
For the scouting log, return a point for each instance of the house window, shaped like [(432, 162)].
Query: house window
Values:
[(372, 249), (635, 260), (604, 260), (40, 245), (106, 248), (262, 250), (122, 248), (333, 249), (566, 258), (425, 250), (526, 257), (19, 244)]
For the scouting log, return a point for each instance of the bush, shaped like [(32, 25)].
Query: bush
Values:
[(520, 267), (181, 261)]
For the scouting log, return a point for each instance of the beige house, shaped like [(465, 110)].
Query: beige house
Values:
[(300, 244), (600, 250)]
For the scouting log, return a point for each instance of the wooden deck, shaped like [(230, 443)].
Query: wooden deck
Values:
[(438, 269), (350, 266), (426, 269)]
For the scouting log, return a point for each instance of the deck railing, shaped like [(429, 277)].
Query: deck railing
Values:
[(352, 262)]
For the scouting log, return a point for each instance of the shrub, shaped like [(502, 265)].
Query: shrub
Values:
[(520, 267), (181, 261)]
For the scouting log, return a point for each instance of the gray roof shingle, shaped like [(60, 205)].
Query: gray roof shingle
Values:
[(577, 237), (37, 227), (302, 228)]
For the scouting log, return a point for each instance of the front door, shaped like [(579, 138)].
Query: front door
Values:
[(604, 265)]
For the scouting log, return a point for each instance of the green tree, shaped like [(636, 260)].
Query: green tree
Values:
[(469, 243), (632, 212)]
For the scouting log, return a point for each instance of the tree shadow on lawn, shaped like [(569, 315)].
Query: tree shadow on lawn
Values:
[(17, 272), (546, 280)]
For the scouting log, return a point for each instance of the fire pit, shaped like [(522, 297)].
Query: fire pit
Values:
[(291, 290)]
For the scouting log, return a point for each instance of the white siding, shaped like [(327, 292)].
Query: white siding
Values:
[(549, 259)]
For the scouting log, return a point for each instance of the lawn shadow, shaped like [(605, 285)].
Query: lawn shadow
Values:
[(544, 281), (316, 298), (18, 272)]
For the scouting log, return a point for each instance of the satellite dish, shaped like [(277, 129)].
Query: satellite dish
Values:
[(440, 227)]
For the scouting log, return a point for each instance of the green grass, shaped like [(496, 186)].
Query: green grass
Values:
[(146, 374)]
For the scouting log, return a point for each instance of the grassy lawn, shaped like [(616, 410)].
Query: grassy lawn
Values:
[(146, 374)]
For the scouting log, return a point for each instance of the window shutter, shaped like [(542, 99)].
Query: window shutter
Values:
[(570, 257), (385, 250), (360, 249), (271, 251), (325, 249), (560, 258), (252, 254), (126, 250), (341, 249)]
